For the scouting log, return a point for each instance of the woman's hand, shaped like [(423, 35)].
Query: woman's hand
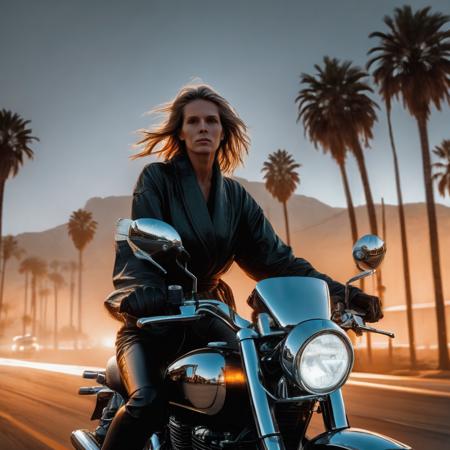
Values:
[(370, 305), (144, 301)]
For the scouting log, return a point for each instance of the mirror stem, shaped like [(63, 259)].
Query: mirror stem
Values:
[(364, 274), (191, 275)]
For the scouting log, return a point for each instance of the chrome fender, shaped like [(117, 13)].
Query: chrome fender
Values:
[(354, 439)]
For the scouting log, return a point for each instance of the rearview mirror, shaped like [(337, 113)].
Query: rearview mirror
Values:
[(148, 238), (368, 252)]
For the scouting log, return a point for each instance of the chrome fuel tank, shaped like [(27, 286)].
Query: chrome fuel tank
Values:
[(206, 381)]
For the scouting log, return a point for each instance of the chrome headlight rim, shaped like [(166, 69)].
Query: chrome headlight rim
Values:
[(297, 340), (347, 344)]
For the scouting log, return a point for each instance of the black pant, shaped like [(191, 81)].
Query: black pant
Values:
[(142, 356)]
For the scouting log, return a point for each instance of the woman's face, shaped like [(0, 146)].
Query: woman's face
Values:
[(201, 130)]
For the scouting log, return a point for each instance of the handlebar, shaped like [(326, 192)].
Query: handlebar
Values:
[(351, 320)]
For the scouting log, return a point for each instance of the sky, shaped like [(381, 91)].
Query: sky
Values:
[(86, 73)]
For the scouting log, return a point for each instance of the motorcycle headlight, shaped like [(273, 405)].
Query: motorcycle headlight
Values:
[(323, 363), (317, 356)]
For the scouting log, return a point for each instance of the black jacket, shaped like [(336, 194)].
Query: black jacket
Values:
[(236, 230)]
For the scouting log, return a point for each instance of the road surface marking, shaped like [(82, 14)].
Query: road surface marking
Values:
[(390, 387), (380, 376), (67, 369), (38, 436)]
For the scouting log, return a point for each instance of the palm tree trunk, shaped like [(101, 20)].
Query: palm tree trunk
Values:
[(41, 315), (80, 266), (351, 210), (406, 271), (72, 294), (25, 303), (350, 207), (286, 221), (359, 155), (33, 305), (357, 150), (2, 283), (3, 177), (384, 233), (434, 245), (55, 318)]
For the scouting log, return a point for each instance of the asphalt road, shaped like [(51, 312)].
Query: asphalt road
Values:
[(39, 408)]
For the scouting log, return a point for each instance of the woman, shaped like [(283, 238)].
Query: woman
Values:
[(219, 222)]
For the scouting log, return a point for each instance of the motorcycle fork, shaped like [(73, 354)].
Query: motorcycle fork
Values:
[(333, 411), (266, 425)]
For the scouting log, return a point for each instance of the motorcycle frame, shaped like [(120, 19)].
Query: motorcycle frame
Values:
[(269, 435)]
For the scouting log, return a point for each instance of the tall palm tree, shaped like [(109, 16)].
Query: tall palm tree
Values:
[(386, 92), (6, 308), (81, 228), (38, 268), (320, 128), (9, 249), (338, 113), (55, 265), (15, 141), (25, 268), (44, 293), (413, 57), (71, 267), (443, 175), (281, 180), (58, 281)]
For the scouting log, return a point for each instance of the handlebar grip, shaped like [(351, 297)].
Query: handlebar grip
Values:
[(175, 295)]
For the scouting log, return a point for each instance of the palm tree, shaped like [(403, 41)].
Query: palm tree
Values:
[(44, 293), (386, 92), (281, 180), (81, 228), (320, 128), (15, 140), (58, 281), (6, 308), (38, 268), (55, 265), (9, 248), (338, 113), (26, 321), (71, 267), (413, 57), (443, 176), (25, 268)]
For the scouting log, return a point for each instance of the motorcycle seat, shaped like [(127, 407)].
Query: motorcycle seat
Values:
[(113, 378)]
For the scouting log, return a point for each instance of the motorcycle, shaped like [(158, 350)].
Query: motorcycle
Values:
[(291, 363)]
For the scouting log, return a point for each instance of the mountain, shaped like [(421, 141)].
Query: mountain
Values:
[(320, 233)]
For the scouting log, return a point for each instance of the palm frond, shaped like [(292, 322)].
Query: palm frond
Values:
[(81, 228)]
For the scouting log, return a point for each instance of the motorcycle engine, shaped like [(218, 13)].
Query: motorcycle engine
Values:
[(184, 436)]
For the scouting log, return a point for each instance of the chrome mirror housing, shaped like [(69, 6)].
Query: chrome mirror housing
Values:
[(153, 236), (368, 252), (148, 238)]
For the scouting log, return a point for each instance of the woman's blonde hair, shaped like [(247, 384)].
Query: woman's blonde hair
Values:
[(166, 136)]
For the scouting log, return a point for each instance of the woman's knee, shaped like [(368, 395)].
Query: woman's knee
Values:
[(147, 403)]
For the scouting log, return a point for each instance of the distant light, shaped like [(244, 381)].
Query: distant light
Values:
[(108, 342), (425, 305), (67, 369)]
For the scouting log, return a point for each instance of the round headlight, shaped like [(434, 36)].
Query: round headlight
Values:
[(324, 363)]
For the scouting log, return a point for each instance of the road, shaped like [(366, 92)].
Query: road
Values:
[(39, 408)]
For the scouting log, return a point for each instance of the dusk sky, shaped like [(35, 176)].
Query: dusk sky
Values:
[(86, 72)]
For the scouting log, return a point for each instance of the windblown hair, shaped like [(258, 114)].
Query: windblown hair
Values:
[(164, 139)]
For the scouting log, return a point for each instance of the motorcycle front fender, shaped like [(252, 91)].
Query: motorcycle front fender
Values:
[(354, 439)]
